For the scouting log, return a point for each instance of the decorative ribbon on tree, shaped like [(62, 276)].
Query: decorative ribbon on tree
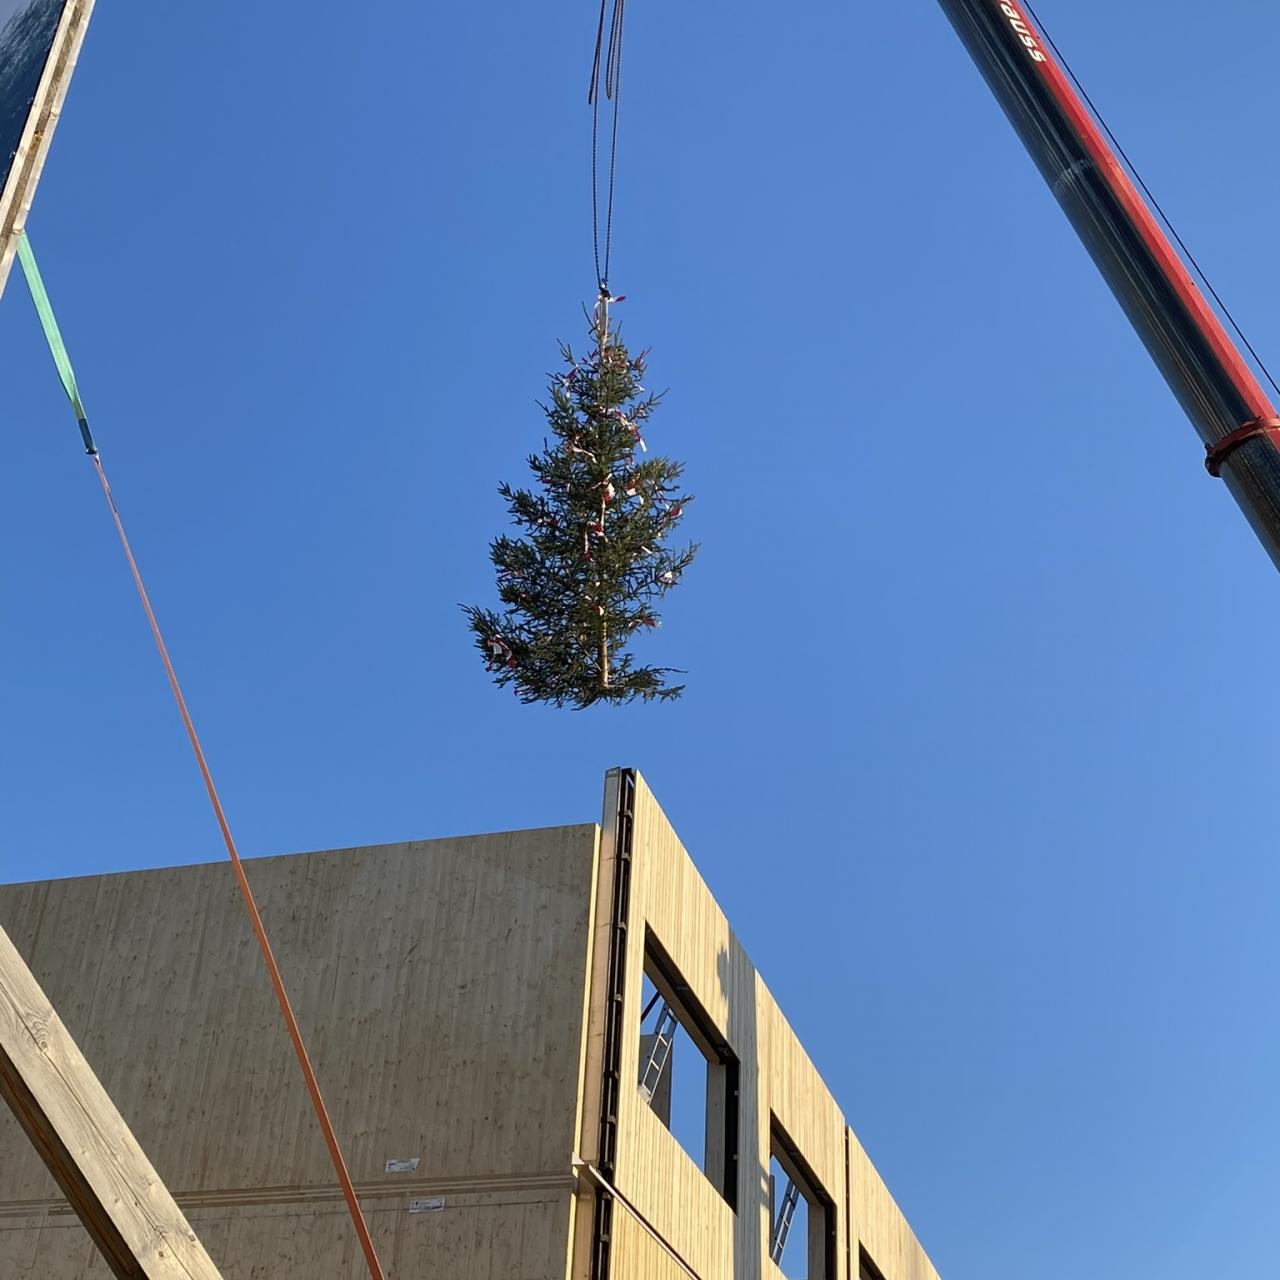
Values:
[(593, 557)]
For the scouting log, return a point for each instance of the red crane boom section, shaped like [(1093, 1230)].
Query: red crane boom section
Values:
[(1143, 219)]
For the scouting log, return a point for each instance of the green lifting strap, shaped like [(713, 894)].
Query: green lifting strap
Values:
[(57, 348)]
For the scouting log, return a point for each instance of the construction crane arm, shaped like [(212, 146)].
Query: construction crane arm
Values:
[(1201, 363)]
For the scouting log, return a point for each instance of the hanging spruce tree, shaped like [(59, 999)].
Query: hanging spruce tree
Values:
[(593, 555)]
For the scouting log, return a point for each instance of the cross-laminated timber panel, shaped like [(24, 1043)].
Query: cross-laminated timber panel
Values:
[(441, 989), (671, 1221), (456, 995), (882, 1230)]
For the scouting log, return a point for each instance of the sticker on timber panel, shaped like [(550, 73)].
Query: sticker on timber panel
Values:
[(434, 1205), (404, 1166)]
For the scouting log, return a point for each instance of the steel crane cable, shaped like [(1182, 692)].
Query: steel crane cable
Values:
[(606, 77), (1155, 204), (67, 376)]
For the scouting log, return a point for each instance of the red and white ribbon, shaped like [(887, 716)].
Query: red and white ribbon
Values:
[(594, 529), (605, 300), (633, 428), (501, 653)]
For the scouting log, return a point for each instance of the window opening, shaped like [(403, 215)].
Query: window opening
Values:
[(687, 1074), (802, 1235), (673, 1073), (653, 1069), (784, 1214)]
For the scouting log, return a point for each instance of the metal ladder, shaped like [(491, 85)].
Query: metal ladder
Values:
[(782, 1228), (660, 1053)]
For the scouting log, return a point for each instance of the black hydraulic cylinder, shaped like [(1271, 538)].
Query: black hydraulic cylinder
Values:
[(1204, 368)]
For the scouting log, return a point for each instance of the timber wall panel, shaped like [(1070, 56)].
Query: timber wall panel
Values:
[(453, 995), (670, 898), (879, 1224), (439, 986), (778, 1079), (494, 1238), (793, 1091), (640, 1257)]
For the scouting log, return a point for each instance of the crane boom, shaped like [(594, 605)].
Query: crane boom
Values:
[(1202, 365)]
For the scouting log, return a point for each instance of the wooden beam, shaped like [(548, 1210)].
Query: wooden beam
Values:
[(42, 118), (86, 1144)]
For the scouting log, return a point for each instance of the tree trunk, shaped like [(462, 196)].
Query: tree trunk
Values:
[(602, 341)]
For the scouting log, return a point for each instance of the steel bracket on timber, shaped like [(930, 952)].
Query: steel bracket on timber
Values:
[(83, 1140)]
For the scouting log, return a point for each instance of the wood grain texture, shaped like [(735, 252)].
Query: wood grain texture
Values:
[(641, 1257), (497, 1236), (72, 1125), (440, 988), (453, 995), (880, 1226), (778, 1083)]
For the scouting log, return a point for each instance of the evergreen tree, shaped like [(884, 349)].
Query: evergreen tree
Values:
[(592, 556)]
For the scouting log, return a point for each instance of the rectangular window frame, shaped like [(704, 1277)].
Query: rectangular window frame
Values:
[(724, 1070), (823, 1227)]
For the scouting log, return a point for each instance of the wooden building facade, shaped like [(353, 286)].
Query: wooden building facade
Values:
[(496, 1021)]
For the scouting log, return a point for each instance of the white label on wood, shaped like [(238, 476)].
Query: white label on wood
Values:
[(434, 1205), (404, 1166)]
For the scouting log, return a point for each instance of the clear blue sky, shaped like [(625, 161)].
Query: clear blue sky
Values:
[(981, 719)]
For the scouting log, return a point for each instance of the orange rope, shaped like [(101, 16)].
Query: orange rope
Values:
[(313, 1085)]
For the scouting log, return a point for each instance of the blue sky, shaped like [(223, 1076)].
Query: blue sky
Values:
[(974, 752)]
